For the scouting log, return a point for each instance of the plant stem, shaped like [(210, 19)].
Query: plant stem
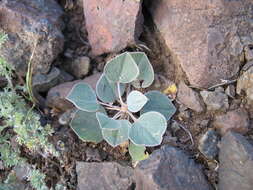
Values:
[(132, 116), (105, 104), (114, 108), (120, 98), (117, 115)]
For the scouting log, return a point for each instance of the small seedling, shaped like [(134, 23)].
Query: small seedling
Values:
[(140, 120)]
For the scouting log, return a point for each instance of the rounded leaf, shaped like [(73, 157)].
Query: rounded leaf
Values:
[(107, 90), (115, 137), (83, 97), (107, 123), (160, 103), (148, 129), (137, 152), (86, 126), (121, 69), (146, 76), (136, 100)]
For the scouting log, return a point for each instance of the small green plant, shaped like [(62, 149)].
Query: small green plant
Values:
[(141, 119)]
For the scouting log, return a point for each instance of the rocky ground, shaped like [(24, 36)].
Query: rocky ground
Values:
[(203, 47)]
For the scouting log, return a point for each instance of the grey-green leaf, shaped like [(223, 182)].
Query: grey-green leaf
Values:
[(136, 100), (86, 126), (122, 69), (83, 97), (137, 152), (160, 103), (115, 137), (107, 90), (146, 76), (107, 123), (148, 129)]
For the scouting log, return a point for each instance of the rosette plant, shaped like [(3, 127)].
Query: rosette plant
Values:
[(136, 118)]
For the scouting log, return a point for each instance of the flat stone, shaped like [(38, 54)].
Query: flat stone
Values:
[(236, 163), (236, 120), (245, 84), (202, 36), (103, 176), (43, 82), (215, 100), (28, 23), (112, 25), (208, 144), (56, 97), (169, 169), (79, 67), (189, 98), (230, 91)]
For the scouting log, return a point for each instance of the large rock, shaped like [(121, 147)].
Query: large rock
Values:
[(56, 97), (28, 23), (189, 98), (245, 84), (112, 24), (236, 120), (103, 176), (169, 169), (205, 37), (236, 163)]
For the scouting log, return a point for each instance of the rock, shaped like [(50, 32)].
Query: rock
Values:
[(107, 175), (171, 169), (189, 97), (245, 84), (56, 97), (215, 100), (249, 52), (79, 67), (28, 23), (236, 163), (92, 155), (208, 144), (43, 82), (230, 91), (22, 171), (247, 66), (236, 120), (66, 117), (203, 37), (112, 25)]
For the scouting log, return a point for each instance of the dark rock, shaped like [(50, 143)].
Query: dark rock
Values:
[(203, 37), (169, 169), (245, 84), (236, 163), (56, 97), (92, 155), (112, 25), (236, 120), (28, 23), (103, 176), (215, 100), (43, 82), (208, 144), (189, 98), (79, 67)]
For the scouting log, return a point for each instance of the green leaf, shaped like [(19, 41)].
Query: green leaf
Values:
[(106, 123), (137, 153), (160, 103), (86, 126), (148, 129), (146, 76), (107, 90), (136, 100), (122, 69), (115, 137), (83, 97)]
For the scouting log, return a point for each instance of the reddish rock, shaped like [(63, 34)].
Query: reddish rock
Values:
[(112, 25), (56, 97), (205, 37), (28, 22), (189, 98), (236, 120)]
